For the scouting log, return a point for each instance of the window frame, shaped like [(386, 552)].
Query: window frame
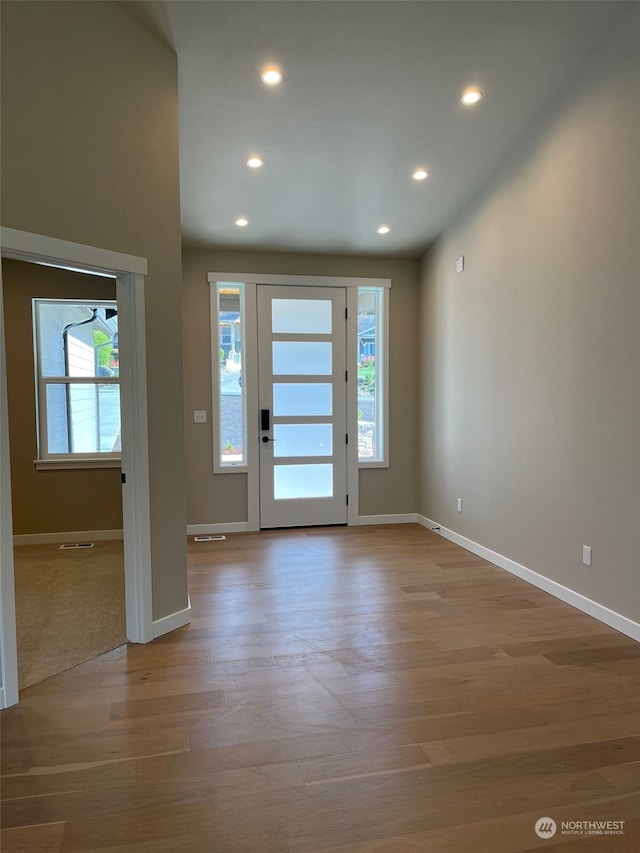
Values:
[(220, 467), (381, 459), (45, 459)]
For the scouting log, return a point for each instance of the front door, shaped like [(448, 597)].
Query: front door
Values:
[(302, 405)]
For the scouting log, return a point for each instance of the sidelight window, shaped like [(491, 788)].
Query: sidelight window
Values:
[(227, 356), (372, 390)]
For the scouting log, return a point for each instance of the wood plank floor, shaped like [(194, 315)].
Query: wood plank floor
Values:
[(352, 690)]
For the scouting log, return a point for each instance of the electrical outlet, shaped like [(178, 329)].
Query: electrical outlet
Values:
[(200, 417), (459, 504), (586, 555)]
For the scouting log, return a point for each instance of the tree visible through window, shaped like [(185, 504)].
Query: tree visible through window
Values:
[(78, 386), (370, 350), (231, 393)]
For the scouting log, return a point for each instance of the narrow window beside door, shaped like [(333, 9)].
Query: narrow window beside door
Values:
[(229, 392), (372, 356)]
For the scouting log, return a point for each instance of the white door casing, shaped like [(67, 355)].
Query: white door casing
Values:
[(302, 405), (129, 272), (251, 281)]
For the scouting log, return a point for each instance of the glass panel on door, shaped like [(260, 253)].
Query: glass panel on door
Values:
[(303, 440), (301, 316), (302, 481), (302, 399), (303, 358)]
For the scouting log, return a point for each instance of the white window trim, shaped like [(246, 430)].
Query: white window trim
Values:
[(250, 379), (298, 280), (353, 480), (219, 467), (382, 402), (250, 468), (64, 463), (61, 461)]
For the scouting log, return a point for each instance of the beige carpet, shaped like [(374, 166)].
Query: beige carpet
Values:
[(69, 607)]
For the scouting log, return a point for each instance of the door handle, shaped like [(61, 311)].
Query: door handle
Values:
[(265, 439), (264, 419)]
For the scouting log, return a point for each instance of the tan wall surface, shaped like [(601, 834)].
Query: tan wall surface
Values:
[(530, 369), (90, 154), (48, 501), (223, 497)]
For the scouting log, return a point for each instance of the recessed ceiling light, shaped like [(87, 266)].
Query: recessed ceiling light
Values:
[(420, 174), (241, 222), (384, 229), (255, 162), (271, 76), (471, 96)]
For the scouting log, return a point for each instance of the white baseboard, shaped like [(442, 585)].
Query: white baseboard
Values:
[(224, 527), (407, 518), (172, 621), (426, 522), (71, 536), (3, 698), (586, 605), (243, 526)]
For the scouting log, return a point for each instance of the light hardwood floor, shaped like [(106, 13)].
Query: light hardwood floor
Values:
[(358, 690)]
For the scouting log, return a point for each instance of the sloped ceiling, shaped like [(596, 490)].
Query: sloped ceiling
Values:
[(371, 90)]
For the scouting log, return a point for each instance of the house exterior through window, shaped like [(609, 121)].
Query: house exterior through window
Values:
[(77, 379)]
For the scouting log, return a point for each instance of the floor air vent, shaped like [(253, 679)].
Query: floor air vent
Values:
[(208, 538), (75, 545)]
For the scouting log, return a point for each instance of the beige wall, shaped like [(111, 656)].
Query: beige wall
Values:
[(530, 367), (223, 498), (48, 501), (90, 154)]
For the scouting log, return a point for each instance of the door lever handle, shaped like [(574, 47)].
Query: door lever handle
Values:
[(265, 439)]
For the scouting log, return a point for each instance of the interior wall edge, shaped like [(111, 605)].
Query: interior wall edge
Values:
[(172, 621), (529, 359)]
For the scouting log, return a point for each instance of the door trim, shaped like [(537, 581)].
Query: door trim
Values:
[(329, 509), (129, 272), (298, 280), (351, 284)]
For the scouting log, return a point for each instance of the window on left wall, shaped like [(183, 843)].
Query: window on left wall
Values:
[(77, 380)]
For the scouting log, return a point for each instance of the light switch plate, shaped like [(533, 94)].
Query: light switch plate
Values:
[(199, 417)]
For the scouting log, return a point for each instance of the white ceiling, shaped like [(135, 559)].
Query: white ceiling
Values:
[(371, 90)]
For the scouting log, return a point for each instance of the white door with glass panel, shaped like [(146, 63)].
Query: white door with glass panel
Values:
[(302, 405)]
